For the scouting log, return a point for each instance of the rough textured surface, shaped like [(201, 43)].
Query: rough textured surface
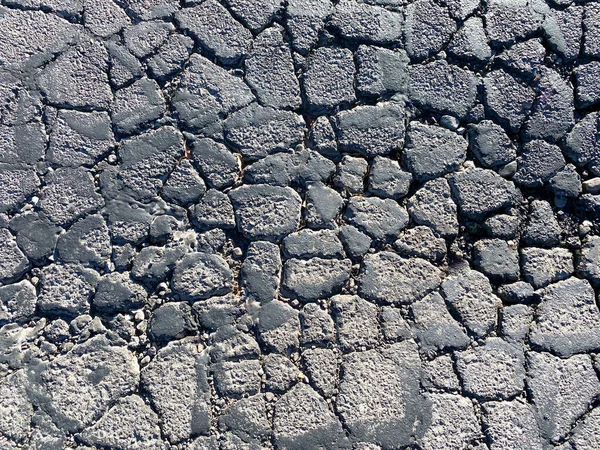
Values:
[(299, 224)]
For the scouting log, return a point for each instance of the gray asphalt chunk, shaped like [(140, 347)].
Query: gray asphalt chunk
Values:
[(305, 19), (581, 144), (431, 151), (427, 29), (429, 88), (208, 92), (80, 138), (553, 381), (497, 259), (184, 185), (470, 42), (539, 162), (432, 206), (506, 99), (214, 210), (16, 186), (366, 23), (511, 425), (564, 31), (381, 70), (306, 244), (379, 396), (565, 319), (422, 242), (387, 179), (490, 144), (586, 77), (14, 262), (542, 228), (470, 295), (435, 329), (315, 278), (541, 266), (218, 166), (87, 242), (494, 370), (231, 40), (504, 28), (453, 422), (523, 57), (350, 174), (116, 292), (129, 423), (270, 70), (261, 271), (201, 275), (328, 78), (69, 194), (17, 302), (302, 420), (153, 9), (323, 205), (371, 130), (104, 18), (388, 278), (145, 38), (355, 322), (177, 383), (481, 191), (380, 218), (249, 131), (552, 113), (255, 14), (78, 77), (591, 35), (266, 212), (170, 57), (137, 105)]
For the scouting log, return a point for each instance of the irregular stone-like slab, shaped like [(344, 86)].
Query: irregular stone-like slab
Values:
[(137, 105), (78, 78), (367, 23), (17, 302), (329, 78), (381, 70), (315, 278), (453, 424), (261, 271), (566, 319), (177, 383), (470, 295), (492, 371), (87, 242), (266, 212), (541, 266), (432, 205), (428, 28), (302, 420), (538, 163), (147, 159), (270, 70), (552, 113), (511, 425), (216, 30), (305, 19), (371, 130), (78, 387), (431, 151), (386, 277), (561, 390), (201, 275), (443, 88), (130, 424), (379, 218), (379, 398), (356, 322), (69, 194), (40, 35), (16, 409), (79, 138), (257, 131), (278, 327), (66, 290), (481, 191), (13, 263), (16, 185), (435, 329), (207, 92)]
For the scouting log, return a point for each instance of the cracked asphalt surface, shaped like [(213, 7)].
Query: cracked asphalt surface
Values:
[(299, 224)]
